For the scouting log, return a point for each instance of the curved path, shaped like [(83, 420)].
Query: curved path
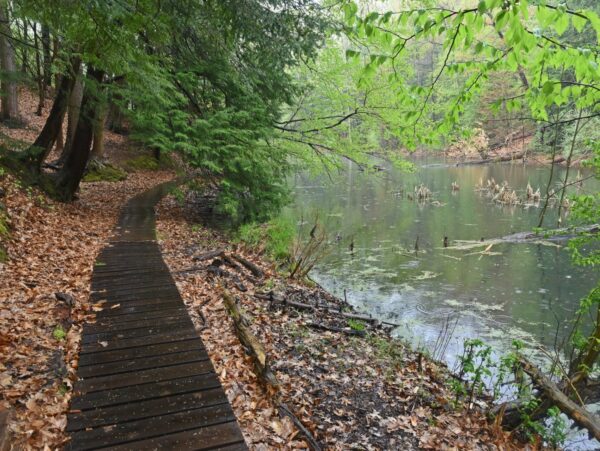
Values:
[(145, 379)]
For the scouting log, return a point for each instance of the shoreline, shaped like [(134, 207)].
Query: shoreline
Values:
[(349, 384)]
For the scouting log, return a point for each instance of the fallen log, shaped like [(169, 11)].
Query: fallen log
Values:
[(550, 390), (255, 270), (504, 158), (209, 255), (250, 342), (547, 236), (261, 365), (303, 306)]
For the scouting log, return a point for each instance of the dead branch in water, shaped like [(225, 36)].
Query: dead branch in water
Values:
[(550, 391), (546, 237)]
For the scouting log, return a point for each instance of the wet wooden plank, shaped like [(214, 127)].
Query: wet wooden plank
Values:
[(174, 335), (146, 408), (143, 363), (100, 358), (179, 317), (141, 377), (145, 392), (136, 330), (109, 321), (226, 434), (152, 427)]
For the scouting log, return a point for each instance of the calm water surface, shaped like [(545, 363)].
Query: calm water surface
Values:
[(525, 291)]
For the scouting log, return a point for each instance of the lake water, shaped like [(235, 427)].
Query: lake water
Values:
[(522, 291), (439, 297)]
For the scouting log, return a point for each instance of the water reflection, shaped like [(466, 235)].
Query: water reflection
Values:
[(520, 291)]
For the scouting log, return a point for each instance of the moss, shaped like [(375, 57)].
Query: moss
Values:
[(105, 173)]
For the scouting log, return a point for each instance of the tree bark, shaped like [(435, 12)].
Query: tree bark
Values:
[(73, 169), (39, 74), (47, 137), (73, 114), (47, 54), (10, 104), (98, 144), (60, 139)]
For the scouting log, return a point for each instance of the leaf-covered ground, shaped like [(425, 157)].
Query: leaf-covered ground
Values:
[(351, 392), (44, 288)]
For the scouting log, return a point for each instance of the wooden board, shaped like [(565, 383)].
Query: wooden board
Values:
[(145, 378)]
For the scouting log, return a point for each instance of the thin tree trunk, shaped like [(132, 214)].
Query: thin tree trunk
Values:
[(39, 75), (10, 104), (24, 52), (47, 137), (74, 167), (60, 139), (73, 114), (47, 56), (98, 145)]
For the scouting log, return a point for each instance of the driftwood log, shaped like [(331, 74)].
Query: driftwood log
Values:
[(504, 158), (547, 236), (552, 393)]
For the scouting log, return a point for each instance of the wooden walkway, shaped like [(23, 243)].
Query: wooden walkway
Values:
[(145, 379)]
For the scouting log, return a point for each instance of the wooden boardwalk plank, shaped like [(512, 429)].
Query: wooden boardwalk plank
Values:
[(100, 358), (168, 337), (145, 378), (124, 413), (211, 437), (155, 426), (146, 392), (125, 366)]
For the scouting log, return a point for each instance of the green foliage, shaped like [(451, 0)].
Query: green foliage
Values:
[(475, 364), (105, 173), (59, 333), (276, 236), (356, 324), (178, 194), (515, 36), (142, 163)]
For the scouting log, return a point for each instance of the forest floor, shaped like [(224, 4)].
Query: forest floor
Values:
[(350, 387)]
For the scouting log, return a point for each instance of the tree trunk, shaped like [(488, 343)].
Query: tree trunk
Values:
[(10, 105), (60, 139), (98, 145), (39, 74), (73, 114), (47, 137), (47, 56), (24, 52), (74, 167)]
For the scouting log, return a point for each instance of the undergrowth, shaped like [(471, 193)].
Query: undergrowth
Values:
[(105, 173), (275, 237)]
